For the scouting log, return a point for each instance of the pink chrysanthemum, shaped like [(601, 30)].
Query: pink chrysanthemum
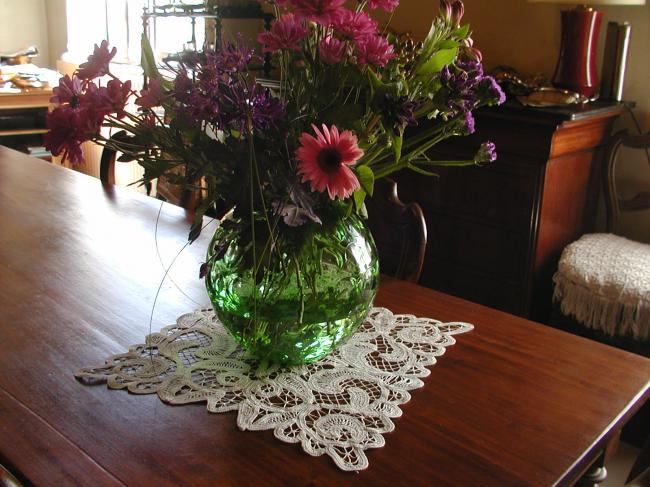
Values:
[(324, 160), (387, 5), (285, 33), (68, 128), (98, 61), (374, 50), (355, 25), (331, 50), (153, 96), (68, 91), (115, 96), (323, 12)]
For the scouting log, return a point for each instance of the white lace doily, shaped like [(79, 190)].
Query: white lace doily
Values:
[(340, 405)]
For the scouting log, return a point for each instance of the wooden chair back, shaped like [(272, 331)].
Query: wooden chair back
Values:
[(183, 197), (399, 230), (614, 203), (7, 479)]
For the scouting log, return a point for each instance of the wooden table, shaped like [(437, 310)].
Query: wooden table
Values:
[(512, 403)]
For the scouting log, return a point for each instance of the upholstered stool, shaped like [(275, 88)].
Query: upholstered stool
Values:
[(603, 281)]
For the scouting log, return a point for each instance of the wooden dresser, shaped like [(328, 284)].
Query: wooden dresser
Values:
[(496, 232), (22, 119)]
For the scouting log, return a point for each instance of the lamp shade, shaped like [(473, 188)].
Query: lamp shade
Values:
[(593, 2)]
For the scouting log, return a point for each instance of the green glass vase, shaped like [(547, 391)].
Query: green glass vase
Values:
[(305, 298)]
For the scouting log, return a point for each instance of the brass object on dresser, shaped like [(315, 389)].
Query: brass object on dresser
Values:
[(497, 231)]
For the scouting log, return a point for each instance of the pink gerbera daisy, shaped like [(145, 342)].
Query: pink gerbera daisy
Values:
[(324, 160)]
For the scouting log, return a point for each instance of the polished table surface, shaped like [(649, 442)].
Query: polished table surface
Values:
[(512, 403)]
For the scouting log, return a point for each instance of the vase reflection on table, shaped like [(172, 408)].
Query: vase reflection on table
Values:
[(294, 271)]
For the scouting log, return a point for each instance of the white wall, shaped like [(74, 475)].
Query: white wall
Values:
[(23, 23), (56, 28)]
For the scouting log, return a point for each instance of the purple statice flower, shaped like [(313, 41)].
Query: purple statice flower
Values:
[(486, 153), (399, 112), (470, 126), (461, 83), (491, 89)]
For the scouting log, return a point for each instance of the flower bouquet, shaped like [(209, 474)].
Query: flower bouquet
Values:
[(292, 269)]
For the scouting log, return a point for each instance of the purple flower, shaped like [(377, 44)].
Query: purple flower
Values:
[(491, 89), (469, 123), (461, 83), (486, 153), (399, 112), (233, 57), (266, 112)]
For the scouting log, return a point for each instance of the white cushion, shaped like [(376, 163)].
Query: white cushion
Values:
[(603, 280)]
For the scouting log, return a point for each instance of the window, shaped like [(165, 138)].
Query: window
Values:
[(120, 22)]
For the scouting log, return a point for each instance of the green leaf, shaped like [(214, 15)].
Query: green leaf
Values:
[(448, 44), (366, 179), (419, 170), (148, 61), (438, 61), (359, 197), (461, 32), (197, 223), (431, 39), (375, 82), (397, 145)]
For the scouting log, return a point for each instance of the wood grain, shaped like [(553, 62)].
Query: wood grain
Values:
[(498, 230), (512, 403)]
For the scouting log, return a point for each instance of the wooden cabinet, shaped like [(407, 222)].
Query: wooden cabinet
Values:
[(22, 120), (496, 232)]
